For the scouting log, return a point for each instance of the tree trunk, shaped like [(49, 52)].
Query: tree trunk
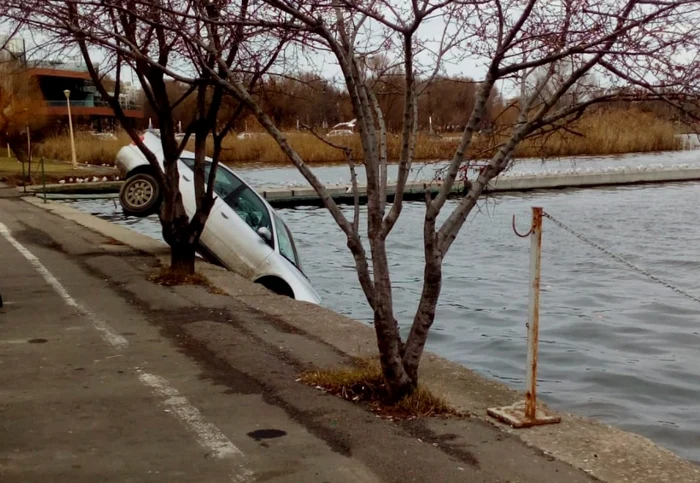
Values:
[(396, 378), (179, 234), (182, 258), (424, 318), (432, 283)]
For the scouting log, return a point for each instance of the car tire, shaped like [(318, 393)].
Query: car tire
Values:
[(140, 195)]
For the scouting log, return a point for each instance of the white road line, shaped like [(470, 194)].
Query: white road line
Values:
[(106, 331), (207, 434)]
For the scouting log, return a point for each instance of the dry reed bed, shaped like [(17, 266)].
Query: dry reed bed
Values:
[(596, 134)]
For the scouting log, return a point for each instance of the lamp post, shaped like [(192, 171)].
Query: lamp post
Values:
[(70, 126)]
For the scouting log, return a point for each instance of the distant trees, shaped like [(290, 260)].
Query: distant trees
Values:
[(21, 106), (320, 103)]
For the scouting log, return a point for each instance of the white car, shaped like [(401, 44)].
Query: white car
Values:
[(243, 232), (248, 135), (339, 132)]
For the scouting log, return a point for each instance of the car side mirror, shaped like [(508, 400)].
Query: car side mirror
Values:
[(264, 233)]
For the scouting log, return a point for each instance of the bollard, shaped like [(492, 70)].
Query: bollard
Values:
[(43, 178), (522, 415)]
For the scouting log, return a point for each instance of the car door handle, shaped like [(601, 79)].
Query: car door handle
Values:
[(224, 215), (185, 178)]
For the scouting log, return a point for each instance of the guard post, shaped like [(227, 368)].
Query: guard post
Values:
[(525, 414)]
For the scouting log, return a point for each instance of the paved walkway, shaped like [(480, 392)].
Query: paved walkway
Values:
[(106, 377)]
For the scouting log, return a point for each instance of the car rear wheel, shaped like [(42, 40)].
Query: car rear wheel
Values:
[(140, 195)]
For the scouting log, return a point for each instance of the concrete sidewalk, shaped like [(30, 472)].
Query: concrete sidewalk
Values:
[(92, 390), (105, 376)]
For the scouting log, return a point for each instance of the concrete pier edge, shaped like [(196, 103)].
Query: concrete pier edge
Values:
[(605, 452), (415, 190)]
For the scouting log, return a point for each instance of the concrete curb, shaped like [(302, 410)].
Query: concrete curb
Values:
[(123, 235), (605, 452)]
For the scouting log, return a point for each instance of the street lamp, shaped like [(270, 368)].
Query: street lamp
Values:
[(70, 126)]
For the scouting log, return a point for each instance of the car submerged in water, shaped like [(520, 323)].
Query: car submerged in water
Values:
[(243, 233)]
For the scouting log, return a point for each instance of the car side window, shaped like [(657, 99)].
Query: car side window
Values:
[(250, 208), (225, 183), (286, 242), (247, 205)]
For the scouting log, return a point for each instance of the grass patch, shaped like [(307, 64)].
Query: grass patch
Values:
[(11, 171), (172, 278), (365, 383), (88, 148)]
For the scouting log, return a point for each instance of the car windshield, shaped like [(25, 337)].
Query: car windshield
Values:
[(286, 243), (244, 201)]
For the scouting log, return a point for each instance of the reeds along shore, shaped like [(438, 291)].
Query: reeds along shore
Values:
[(600, 133)]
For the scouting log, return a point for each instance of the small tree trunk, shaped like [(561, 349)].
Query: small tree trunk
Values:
[(390, 357), (178, 233), (182, 258)]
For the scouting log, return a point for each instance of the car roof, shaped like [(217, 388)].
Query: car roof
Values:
[(153, 143)]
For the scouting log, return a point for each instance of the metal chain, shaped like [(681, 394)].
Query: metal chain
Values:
[(617, 257)]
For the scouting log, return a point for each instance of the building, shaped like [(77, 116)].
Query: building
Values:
[(88, 108)]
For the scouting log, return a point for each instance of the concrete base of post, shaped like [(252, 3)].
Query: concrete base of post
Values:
[(515, 416)]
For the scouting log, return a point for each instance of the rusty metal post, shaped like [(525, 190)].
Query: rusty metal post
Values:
[(43, 178), (533, 325), (521, 415)]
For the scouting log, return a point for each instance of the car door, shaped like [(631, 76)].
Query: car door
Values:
[(247, 215), (218, 236), (230, 233)]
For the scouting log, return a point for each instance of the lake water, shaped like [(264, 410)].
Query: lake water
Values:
[(267, 177), (613, 344)]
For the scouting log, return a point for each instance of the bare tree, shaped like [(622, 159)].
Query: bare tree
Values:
[(635, 49), (618, 41), (145, 36)]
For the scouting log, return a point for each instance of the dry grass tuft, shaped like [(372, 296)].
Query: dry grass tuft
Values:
[(170, 278), (216, 290), (88, 149), (365, 383), (607, 132)]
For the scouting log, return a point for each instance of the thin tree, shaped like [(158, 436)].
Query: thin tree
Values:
[(144, 36), (542, 51)]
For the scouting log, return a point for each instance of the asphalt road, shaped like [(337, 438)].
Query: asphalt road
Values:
[(107, 377)]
